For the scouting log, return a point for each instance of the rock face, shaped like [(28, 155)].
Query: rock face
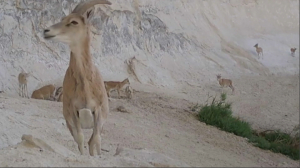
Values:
[(175, 42)]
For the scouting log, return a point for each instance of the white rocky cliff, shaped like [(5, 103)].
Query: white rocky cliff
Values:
[(174, 42)]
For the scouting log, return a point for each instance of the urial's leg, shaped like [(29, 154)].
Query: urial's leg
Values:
[(78, 135), (108, 93), (69, 127), (23, 91), (232, 88), (20, 87), (26, 92), (118, 93), (95, 139)]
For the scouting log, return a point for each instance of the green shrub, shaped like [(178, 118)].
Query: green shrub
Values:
[(278, 137), (285, 149), (219, 114), (283, 143), (237, 127), (260, 142)]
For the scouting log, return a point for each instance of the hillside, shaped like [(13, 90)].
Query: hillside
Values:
[(179, 46), (174, 42)]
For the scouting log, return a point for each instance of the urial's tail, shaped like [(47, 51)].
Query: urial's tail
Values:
[(86, 118)]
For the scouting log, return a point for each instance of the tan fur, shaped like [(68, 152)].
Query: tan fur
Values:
[(85, 102), (44, 93), (259, 50), (293, 50), (129, 91), (22, 78), (114, 85), (225, 82)]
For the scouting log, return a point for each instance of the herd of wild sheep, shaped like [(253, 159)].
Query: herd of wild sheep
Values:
[(50, 92), (84, 93)]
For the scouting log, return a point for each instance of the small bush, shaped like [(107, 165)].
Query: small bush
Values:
[(285, 149), (219, 114), (278, 137), (237, 127), (260, 142), (283, 143)]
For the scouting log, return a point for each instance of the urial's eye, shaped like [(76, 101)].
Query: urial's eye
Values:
[(74, 22), (93, 112), (78, 113)]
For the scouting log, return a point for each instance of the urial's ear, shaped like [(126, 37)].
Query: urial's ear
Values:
[(88, 14)]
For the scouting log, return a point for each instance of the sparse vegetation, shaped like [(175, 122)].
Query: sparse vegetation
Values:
[(218, 113)]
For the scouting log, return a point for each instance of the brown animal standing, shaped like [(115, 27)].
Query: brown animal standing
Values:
[(114, 85), (259, 50), (225, 83), (293, 50), (22, 78), (44, 93), (85, 102)]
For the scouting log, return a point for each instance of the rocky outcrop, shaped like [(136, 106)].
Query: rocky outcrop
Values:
[(174, 42)]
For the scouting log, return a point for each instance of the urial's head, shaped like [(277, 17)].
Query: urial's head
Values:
[(219, 76), (73, 27), (27, 74), (256, 45), (127, 81)]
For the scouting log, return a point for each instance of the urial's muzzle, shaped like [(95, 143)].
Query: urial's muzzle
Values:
[(47, 35)]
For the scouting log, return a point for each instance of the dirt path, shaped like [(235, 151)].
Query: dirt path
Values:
[(160, 122)]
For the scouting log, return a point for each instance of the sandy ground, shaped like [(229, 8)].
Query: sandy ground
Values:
[(177, 43), (158, 130)]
